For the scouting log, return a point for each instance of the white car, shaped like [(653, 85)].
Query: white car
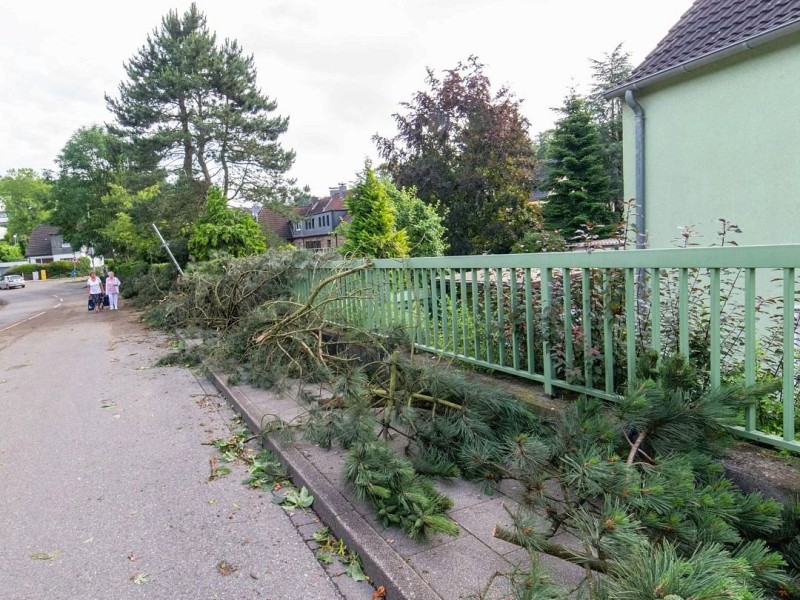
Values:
[(12, 281)]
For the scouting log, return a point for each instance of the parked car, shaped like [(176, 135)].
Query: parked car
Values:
[(12, 281)]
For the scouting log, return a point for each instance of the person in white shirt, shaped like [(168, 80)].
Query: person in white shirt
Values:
[(95, 288), (112, 289)]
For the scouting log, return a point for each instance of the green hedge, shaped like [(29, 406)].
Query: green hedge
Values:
[(55, 269)]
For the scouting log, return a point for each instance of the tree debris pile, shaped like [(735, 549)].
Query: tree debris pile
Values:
[(635, 483)]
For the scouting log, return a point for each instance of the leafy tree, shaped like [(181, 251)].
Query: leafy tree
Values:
[(25, 196), (467, 148), (607, 73), (371, 231), (225, 229), (123, 236), (421, 222), (577, 179), (89, 165), (193, 102), (10, 252)]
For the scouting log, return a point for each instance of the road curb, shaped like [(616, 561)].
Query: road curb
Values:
[(381, 562)]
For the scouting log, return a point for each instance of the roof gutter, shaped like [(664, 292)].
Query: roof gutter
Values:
[(701, 61)]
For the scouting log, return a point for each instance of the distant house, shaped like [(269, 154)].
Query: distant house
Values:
[(312, 226), (46, 245), (711, 127)]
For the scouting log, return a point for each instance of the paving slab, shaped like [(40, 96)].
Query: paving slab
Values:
[(441, 567), (460, 568)]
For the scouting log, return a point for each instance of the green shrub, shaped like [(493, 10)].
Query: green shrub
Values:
[(59, 268), (26, 269)]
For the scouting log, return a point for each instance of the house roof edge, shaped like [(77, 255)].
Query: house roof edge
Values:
[(710, 57)]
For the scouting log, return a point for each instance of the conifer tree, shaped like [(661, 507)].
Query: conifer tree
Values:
[(371, 231), (608, 72), (192, 102), (577, 178)]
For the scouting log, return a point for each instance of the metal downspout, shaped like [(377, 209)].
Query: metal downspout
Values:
[(638, 131)]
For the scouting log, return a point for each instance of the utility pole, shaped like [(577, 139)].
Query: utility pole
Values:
[(166, 247)]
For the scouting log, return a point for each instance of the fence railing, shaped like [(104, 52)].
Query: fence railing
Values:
[(583, 321)]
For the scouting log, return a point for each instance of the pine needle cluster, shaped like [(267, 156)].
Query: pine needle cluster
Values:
[(638, 485)]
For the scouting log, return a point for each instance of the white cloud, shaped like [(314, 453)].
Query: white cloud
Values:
[(337, 69)]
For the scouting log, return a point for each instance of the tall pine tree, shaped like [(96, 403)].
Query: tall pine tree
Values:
[(577, 178), (194, 103)]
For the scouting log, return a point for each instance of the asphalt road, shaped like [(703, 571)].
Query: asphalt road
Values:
[(36, 297), (104, 470)]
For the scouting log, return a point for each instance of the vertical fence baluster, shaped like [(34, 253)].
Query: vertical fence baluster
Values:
[(750, 341), (443, 309), (352, 299), (426, 307), (529, 317), (462, 275), (788, 354), (413, 306), (683, 311), (369, 297), (408, 301), (630, 322), (380, 304), (454, 313), (655, 309), (501, 318), (338, 308), (586, 322), (397, 298), (487, 301), (547, 300), (388, 305), (514, 318), (569, 351), (475, 320), (608, 340), (714, 329), (435, 309)]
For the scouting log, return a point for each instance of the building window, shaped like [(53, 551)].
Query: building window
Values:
[(298, 227)]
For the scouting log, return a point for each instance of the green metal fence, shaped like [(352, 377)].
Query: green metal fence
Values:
[(582, 321)]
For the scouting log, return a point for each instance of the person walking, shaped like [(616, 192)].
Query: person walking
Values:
[(95, 289), (112, 290)]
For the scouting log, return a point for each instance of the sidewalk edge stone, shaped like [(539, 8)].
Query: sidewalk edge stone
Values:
[(381, 562)]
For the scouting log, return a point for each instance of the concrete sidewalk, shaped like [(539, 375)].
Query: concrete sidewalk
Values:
[(105, 477), (442, 568)]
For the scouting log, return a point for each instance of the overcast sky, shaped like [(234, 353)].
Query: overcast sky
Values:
[(338, 69)]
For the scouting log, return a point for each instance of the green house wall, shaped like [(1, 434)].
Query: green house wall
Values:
[(723, 142)]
